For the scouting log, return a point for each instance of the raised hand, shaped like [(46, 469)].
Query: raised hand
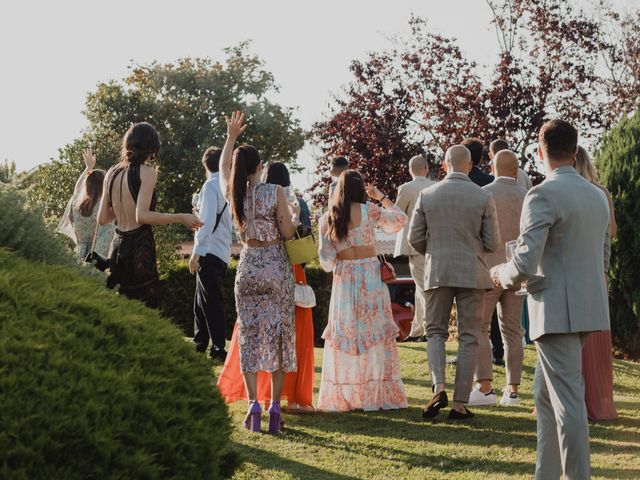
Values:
[(374, 192), (235, 124), (89, 158)]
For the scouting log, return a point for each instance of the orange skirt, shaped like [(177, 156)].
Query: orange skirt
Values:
[(597, 369), (298, 386)]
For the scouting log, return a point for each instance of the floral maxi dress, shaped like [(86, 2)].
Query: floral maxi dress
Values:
[(361, 367)]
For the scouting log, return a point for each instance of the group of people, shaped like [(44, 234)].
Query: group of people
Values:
[(469, 244)]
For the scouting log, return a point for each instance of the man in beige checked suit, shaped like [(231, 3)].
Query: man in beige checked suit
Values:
[(408, 195), (561, 255), (454, 225), (508, 197)]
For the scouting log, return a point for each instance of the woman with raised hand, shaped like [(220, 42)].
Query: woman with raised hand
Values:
[(361, 367), (264, 280), (80, 217), (298, 385), (129, 197)]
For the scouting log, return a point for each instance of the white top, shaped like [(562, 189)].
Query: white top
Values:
[(210, 204)]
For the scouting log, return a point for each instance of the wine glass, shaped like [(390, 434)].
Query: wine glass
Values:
[(195, 198)]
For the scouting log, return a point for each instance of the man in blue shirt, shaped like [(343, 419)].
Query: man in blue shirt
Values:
[(211, 253)]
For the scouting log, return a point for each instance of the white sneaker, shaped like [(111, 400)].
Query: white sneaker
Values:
[(479, 399), (509, 398)]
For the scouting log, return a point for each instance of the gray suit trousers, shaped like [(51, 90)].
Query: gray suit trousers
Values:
[(563, 428), (469, 302), (416, 266)]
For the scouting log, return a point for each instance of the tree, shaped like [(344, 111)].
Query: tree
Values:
[(549, 65), (186, 102), (618, 162), (7, 171)]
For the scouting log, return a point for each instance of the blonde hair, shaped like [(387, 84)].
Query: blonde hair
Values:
[(584, 165)]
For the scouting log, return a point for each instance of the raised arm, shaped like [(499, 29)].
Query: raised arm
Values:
[(390, 218), (326, 250), (235, 127)]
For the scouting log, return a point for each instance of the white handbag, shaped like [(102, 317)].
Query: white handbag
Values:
[(304, 296)]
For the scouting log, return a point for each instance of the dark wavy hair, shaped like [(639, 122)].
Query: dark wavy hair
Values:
[(244, 163), (350, 189), (140, 141), (278, 174), (93, 190)]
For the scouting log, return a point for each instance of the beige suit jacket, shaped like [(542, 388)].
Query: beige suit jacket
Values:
[(564, 225), (508, 196), (454, 225), (408, 195)]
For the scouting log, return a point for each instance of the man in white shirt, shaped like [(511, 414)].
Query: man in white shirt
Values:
[(408, 195), (211, 253)]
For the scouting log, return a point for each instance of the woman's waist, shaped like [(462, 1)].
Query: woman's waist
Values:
[(254, 243), (132, 231), (358, 252)]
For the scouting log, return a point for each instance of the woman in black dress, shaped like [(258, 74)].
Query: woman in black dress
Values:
[(128, 197)]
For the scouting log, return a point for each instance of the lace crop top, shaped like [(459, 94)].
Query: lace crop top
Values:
[(260, 204), (390, 220)]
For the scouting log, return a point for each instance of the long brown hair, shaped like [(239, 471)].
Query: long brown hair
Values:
[(245, 162), (93, 190), (350, 189), (140, 141)]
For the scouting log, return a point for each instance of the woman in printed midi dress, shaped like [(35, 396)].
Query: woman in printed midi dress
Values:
[(361, 368), (264, 280)]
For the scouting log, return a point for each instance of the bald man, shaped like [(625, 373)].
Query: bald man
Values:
[(454, 225), (408, 195), (500, 144), (508, 197)]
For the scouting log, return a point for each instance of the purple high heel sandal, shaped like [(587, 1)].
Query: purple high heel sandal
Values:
[(276, 422), (254, 415)]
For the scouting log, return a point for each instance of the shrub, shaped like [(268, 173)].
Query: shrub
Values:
[(178, 288), (619, 164), (93, 385), (24, 231)]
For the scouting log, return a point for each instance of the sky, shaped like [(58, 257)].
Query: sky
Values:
[(53, 53)]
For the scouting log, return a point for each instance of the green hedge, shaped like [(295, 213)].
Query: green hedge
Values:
[(96, 386), (178, 287), (619, 164)]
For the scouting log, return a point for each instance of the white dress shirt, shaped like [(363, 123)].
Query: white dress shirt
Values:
[(210, 204)]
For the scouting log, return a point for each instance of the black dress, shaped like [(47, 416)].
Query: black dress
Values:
[(133, 253)]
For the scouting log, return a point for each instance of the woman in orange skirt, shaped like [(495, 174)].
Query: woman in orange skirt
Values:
[(298, 386)]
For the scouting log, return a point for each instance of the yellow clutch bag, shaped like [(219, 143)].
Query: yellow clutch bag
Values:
[(301, 249)]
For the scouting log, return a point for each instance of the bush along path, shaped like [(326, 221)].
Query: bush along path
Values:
[(498, 444)]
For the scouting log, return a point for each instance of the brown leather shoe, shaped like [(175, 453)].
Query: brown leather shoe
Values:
[(456, 415), (438, 401)]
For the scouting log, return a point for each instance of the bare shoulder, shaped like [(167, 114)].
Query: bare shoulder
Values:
[(148, 173)]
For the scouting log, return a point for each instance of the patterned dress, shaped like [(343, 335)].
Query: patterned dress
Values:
[(84, 229), (264, 290), (360, 368)]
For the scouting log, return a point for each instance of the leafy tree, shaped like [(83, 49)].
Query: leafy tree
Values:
[(549, 65), (618, 162), (7, 171), (186, 101)]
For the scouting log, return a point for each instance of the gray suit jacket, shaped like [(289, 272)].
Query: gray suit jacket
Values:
[(564, 225), (454, 224), (508, 197), (408, 195)]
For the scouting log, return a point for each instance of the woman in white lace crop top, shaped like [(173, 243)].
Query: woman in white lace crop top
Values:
[(264, 278), (360, 368)]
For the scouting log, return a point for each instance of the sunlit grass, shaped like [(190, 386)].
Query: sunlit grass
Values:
[(499, 443)]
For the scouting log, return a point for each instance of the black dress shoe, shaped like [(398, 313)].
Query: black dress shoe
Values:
[(410, 339), (200, 348), (498, 361), (218, 354), (438, 401), (456, 415)]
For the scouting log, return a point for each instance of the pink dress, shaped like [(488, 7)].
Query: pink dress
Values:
[(360, 367)]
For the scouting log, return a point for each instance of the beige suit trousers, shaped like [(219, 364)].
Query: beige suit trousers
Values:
[(416, 266), (509, 307), (469, 302)]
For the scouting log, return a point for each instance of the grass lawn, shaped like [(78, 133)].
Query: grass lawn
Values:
[(499, 443)]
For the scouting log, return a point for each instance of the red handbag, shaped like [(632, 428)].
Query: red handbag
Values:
[(387, 273)]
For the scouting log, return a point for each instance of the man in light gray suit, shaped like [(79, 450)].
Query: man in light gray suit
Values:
[(508, 197), (453, 225), (408, 195), (560, 253)]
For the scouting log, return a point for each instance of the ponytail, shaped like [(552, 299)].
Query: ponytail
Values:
[(245, 162)]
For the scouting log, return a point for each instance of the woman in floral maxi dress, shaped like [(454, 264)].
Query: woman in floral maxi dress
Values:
[(360, 368)]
